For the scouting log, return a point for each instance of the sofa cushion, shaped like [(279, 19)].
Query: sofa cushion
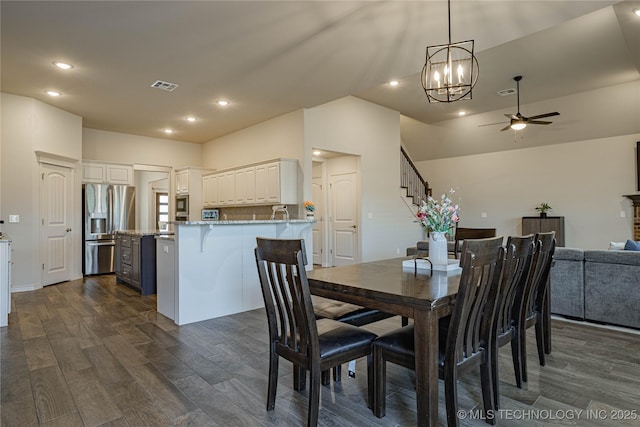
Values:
[(612, 290), (632, 246), (570, 254), (567, 282), (612, 257), (616, 246)]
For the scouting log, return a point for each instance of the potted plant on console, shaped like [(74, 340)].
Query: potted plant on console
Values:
[(543, 208)]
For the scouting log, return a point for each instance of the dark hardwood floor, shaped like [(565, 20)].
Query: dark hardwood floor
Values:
[(95, 353)]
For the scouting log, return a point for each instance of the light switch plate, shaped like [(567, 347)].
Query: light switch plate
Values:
[(14, 218)]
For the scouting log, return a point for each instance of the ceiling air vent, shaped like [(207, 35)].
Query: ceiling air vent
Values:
[(169, 87), (507, 92)]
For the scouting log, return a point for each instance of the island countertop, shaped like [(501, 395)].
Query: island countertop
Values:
[(144, 232), (244, 222)]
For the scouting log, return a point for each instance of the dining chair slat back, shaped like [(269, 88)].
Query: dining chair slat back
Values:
[(294, 333), (533, 300), (515, 270), (464, 339)]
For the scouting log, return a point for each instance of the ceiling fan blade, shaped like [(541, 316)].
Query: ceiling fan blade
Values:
[(541, 116), (538, 122), (506, 128), (492, 124), (512, 116)]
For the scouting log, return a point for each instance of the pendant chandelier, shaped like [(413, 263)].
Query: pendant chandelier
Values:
[(450, 71)]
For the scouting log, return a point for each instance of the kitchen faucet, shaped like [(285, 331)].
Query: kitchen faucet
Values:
[(280, 208)]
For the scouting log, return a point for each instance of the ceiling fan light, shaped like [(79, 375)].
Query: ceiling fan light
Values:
[(519, 125)]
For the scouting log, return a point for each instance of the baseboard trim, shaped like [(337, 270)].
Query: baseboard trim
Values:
[(26, 288), (596, 325)]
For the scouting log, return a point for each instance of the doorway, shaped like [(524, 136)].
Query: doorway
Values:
[(150, 181), (336, 192), (56, 201)]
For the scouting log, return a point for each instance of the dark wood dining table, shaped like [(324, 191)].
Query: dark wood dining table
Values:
[(388, 286)]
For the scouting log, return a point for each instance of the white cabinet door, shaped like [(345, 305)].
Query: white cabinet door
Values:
[(250, 185), (120, 174), (210, 190), (227, 189), (94, 173), (273, 182), (245, 186), (261, 184), (182, 182)]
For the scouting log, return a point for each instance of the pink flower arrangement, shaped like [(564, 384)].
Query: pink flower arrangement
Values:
[(438, 215)]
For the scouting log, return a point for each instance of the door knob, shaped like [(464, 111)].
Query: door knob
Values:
[(354, 226), (68, 230)]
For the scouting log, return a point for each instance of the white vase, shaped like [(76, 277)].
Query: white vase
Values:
[(438, 248), (309, 215)]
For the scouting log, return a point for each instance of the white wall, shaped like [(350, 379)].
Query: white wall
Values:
[(583, 181), (28, 126), (353, 126), (281, 137), (124, 148)]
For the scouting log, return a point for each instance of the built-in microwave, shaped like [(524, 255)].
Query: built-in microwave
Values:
[(182, 205)]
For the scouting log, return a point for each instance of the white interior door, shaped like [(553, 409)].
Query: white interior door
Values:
[(318, 227), (56, 207), (343, 203)]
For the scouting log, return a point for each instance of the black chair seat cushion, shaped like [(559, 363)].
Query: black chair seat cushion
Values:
[(347, 313), (338, 337), (400, 341)]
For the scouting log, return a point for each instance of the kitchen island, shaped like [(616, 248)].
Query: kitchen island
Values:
[(208, 268), (135, 259)]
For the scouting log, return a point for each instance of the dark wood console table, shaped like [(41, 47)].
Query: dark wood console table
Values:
[(538, 224)]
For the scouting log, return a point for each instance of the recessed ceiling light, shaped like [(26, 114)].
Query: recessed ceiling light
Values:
[(317, 152), (223, 103), (53, 93), (637, 11), (394, 83), (168, 131), (191, 119), (63, 65), (462, 113)]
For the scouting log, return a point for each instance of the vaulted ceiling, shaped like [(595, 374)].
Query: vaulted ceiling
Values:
[(268, 58)]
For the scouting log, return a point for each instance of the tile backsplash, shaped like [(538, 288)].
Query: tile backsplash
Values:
[(260, 212)]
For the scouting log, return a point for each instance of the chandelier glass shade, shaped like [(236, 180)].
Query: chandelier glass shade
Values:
[(450, 71)]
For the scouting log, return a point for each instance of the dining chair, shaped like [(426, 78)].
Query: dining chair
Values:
[(515, 270), (464, 233), (464, 338), (294, 333), (534, 308)]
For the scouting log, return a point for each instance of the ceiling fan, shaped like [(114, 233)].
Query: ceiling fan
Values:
[(518, 121)]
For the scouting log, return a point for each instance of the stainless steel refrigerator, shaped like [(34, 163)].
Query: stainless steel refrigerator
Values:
[(107, 208)]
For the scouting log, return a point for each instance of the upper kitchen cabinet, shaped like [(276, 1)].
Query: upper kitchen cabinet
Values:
[(107, 173), (189, 182), (277, 182), (210, 190), (273, 182), (245, 186)]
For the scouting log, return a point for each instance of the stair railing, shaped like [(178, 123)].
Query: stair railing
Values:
[(411, 180)]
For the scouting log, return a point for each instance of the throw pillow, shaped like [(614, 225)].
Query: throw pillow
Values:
[(616, 246), (632, 246)]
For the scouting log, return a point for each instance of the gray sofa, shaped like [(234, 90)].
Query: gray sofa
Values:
[(596, 285)]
